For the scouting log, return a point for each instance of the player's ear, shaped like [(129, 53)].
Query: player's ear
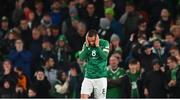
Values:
[(96, 36), (86, 35)]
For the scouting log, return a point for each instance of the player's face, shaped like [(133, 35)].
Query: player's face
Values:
[(148, 51), (6, 84), (7, 66), (157, 44), (40, 76), (171, 64), (156, 67), (91, 40), (133, 68), (64, 76), (31, 93), (113, 61), (174, 52), (51, 62)]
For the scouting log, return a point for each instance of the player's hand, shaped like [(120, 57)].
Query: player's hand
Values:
[(87, 43), (162, 69), (132, 37), (68, 79), (172, 83), (146, 93), (97, 41)]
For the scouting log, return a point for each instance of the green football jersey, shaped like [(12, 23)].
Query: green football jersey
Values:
[(133, 79), (96, 58), (115, 91)]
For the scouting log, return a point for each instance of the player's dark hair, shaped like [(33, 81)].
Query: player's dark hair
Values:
[(170, 34), (32, 88), (133, 61), (174, 47), (92, 33), (19, 68), (172, 58), (141, 21)]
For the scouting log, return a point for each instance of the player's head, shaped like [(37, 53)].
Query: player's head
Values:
[(172, 62), (91, 36), (133, 65), (113, 62), (156, 65)]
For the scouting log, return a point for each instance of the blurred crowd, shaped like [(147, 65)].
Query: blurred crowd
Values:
[(40, 42)]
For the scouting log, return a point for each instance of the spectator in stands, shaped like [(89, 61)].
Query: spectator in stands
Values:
[(62, 52), (104, 29), (18, 12), (115, 26), (134, 47), (7, 91), (70, 23), (154, 8), (119, 56), (32, 93), (159, 50), (165, 21), (170, 41), (147, 57), (115, 74), (31, 20), (56, 13), (21, 57), (41, 84), (26, 34), (91, 19), (79, 65), (76, 38), (35, 48), (23, 80), (174, 51), (142, 27), (46, 20), (8, 42), (8, 73), (26, 11), (55, 32), (4, 27), (81, 7), (39, 10), (60, 87), (47, 49), (75, 81), (129, 19), (20, 92), (155, 82), (131, 81), (174, 77), (157, 33), (49, 69), (175, 30), (115, 43)]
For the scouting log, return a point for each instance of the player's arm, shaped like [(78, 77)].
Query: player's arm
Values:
[(84, 52), (103, 52)]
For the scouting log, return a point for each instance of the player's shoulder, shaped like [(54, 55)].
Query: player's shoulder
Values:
[(121, 69), (103, 42)]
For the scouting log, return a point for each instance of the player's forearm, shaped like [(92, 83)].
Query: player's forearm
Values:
[(103, 54), (83, 54)]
